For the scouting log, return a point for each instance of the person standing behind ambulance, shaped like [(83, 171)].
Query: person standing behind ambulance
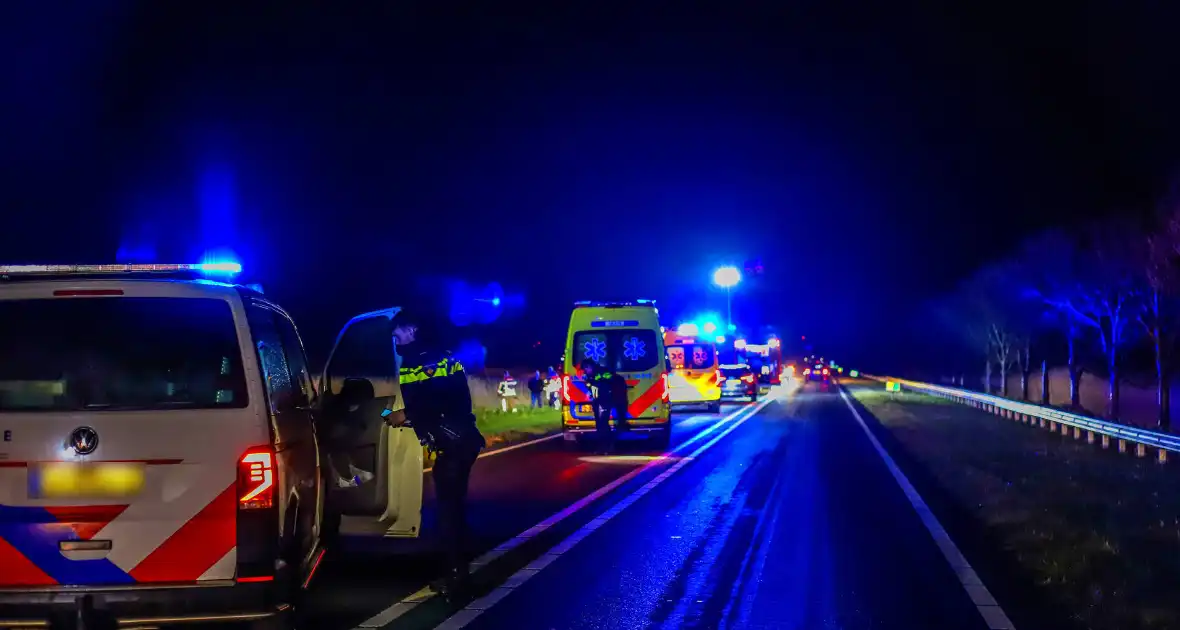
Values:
[(553, 389), (536, 389), (608, 395), (507, 392)]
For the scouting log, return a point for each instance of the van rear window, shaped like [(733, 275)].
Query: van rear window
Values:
[(119, 354), (691, 356), (618, 350)]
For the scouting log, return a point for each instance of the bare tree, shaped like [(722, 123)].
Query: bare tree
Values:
[(1158, 313), (1002, 348), (1050, 270), (1107, 296), (1024, 360)]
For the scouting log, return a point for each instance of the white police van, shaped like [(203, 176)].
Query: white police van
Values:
[(161, 458)]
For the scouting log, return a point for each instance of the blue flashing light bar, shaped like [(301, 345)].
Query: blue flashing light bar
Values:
[(217, 267), (591, 303), (221, 267)]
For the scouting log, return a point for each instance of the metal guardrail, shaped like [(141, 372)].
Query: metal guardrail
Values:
[(1162, 441)]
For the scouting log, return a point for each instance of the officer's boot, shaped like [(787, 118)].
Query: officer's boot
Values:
[(456, 585)]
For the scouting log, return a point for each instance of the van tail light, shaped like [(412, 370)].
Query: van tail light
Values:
[(748, 378), (666, 395), (825, 371), (256, 479), (717, 378), (565, 389)]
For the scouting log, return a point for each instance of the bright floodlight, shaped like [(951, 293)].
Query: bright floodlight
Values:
[(727, 277), (709, 328), (687, 330)]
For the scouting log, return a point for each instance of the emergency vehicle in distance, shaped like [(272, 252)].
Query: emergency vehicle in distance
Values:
[(766, 360), (160, 433), (624, 338), (695, 378)]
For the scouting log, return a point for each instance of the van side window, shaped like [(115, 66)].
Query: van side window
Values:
[(281, 390), (296, 358)]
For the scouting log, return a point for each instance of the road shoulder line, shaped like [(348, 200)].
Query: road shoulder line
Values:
[(993, 615)]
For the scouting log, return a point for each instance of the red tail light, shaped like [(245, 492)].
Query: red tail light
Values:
[(667, 393), (565, 389), (825, 371), (256, 479), (748, 378)]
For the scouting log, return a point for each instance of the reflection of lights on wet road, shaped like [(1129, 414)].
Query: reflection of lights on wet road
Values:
[(630, 460)]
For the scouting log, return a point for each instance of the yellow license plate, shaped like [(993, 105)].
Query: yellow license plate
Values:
[(68, 480), (585, 410)]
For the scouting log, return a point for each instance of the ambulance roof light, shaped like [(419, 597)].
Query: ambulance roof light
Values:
[(609, 304)]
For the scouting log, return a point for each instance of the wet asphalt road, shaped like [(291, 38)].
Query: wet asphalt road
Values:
[(790, 521), (509, 493)]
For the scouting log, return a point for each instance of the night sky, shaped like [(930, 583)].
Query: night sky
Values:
[(384, 153)]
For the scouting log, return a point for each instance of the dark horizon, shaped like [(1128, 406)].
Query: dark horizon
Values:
[(360, 157)]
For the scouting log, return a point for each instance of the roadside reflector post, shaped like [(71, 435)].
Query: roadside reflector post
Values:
[(1077, 433), (1089, 437), (1122, 446), (1042, 423), (1105, 441), (1163, 456), (1141, 450), (1053, 427)]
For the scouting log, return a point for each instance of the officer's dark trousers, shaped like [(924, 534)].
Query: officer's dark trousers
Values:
[(602, 416), (452, 470)]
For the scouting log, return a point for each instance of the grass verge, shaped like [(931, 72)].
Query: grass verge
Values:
[(502, 429), (1097, 532), (505, 428)]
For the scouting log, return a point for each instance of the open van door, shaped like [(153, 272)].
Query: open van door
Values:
[(390, 503)]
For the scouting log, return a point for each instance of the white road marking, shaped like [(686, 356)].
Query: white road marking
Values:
[(497, 451), (987, 606), (408, 603), (476, 608)]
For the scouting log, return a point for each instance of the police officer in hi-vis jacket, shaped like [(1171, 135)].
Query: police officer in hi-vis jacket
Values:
[(439, 409), (608, 395)]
